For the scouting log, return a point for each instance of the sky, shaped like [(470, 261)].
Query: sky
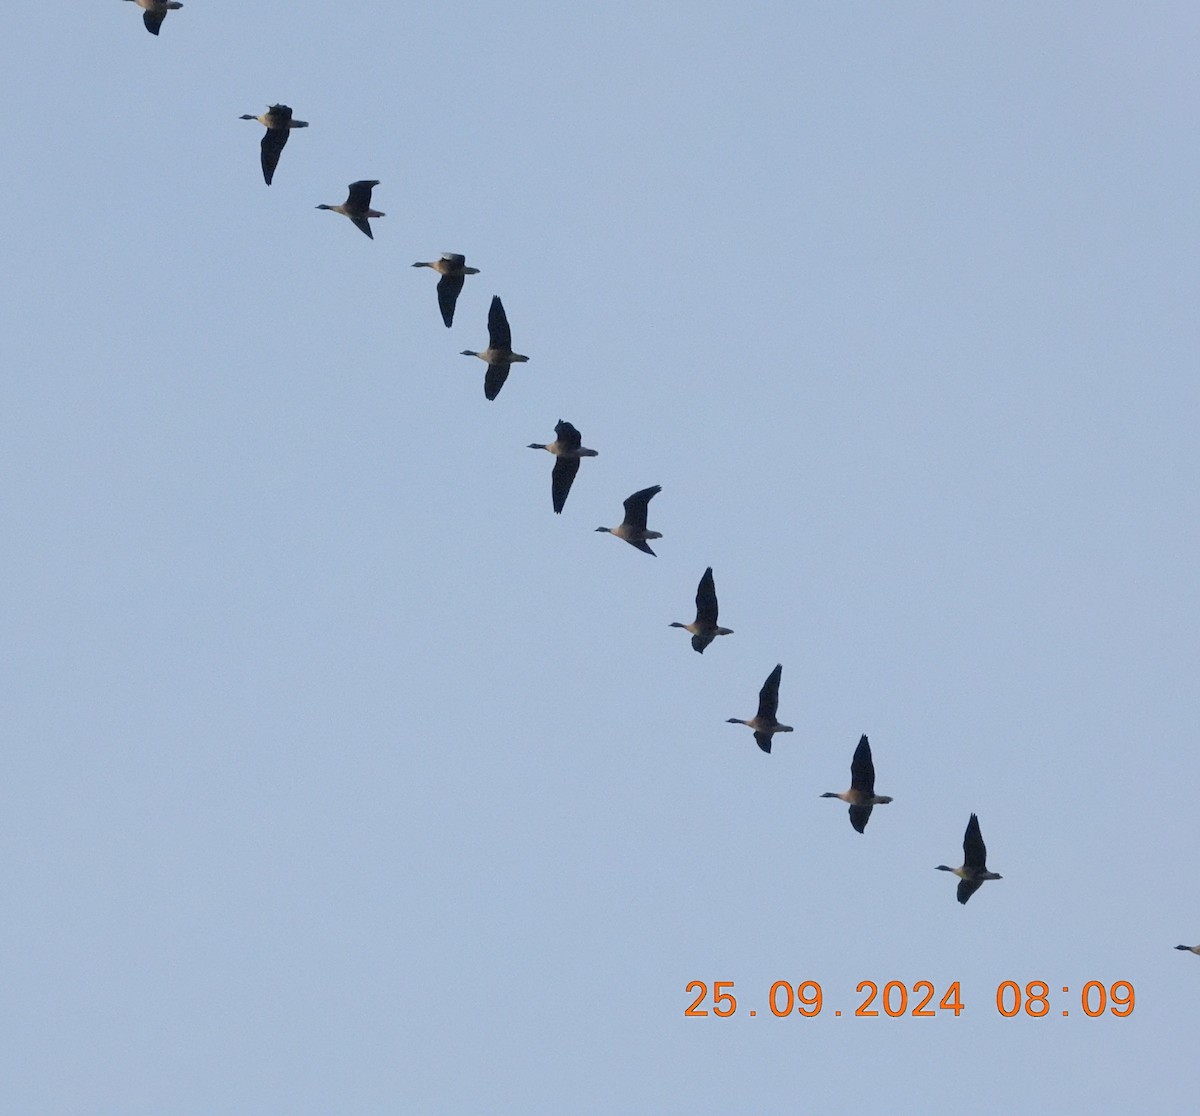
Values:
[(341, 775)]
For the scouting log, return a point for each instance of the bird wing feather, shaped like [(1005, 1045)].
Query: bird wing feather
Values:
[(561, 480), (768, 696), (974, 850), (272, 145), (448, 289), (494, 379), (499, 335), (636, 506), (862, 770), (706, 600), (859, 816), (359, 196), (967, 888)]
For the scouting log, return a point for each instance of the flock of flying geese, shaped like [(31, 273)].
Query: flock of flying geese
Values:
[(568, 450)]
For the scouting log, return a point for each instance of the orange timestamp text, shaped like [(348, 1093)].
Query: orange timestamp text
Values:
[(919, 1001)]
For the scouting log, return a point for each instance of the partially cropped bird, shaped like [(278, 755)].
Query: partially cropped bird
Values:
[(155, 11), (567, 448), (764, 723), (1190, 949), (704, 628), (357, 205), (861, 795), (633, 527), (973, 872), (452, 271), (279, 124), (498, 355)]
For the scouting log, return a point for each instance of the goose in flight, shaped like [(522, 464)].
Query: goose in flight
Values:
[(279, 124), (155, 11), (764, 724), (704, 628), (498, 355), (973, 872), (567, 448), (1190, 949), (357, 205), (633, 527), (861, 795), (453, 272)]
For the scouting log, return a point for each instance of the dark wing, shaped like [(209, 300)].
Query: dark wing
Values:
[(494, 380), (768, 696), (454, 260), (364, 224), (153, 20), (561, 480), (701, 641), (360, 194), (282, 115), (567, 436), (447, 290), (967, 888), (859, 816), (635, 506), (763, 740), (643, 546), (974, 850), (862, 771), (499, 335), (272, 144), (706, 600)]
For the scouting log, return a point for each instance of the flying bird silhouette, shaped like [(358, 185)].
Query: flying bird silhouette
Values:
[(764, 723), (704, 628), (357, 205), (498, 355), (861, 795), (451, 267), (279, 124), (633, 527), (974, 872), (567, 448)]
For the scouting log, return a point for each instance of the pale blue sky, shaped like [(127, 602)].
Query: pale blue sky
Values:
[(342, 776)]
